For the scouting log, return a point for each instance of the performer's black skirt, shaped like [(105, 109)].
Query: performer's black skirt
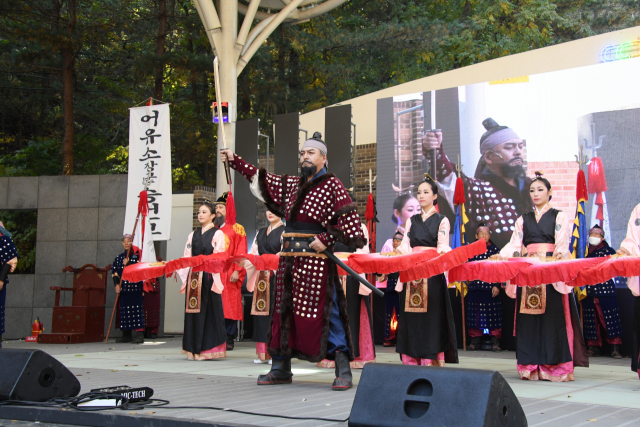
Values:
[(541, 339), (635, 335), (262, 324), (354, 303), (424, 335), (205, 330), (131, 309), (3, 297)]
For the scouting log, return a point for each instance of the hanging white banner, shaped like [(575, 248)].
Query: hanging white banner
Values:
[(150, 155)]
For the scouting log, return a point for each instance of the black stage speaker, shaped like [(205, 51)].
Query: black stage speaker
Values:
[(35, 376), (400, 395)]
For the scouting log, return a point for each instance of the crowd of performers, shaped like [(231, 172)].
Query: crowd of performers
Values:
[(307, 310)]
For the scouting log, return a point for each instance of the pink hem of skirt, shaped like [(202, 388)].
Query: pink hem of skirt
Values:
[(261, 351), (367, 352), (219, 352), (408, 360)]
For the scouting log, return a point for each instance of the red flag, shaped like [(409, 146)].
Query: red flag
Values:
[(581, 187), (597, 185), (143, 239), (597, 180), (458, 195), (231, 210), (369, 212)]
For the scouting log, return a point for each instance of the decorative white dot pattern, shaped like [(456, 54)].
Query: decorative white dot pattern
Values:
[(131, 300), (482, 310)]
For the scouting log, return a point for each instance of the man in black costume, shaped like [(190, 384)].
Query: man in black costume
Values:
[(310, 319)]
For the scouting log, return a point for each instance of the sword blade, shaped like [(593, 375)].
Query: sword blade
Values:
[(353, 274)]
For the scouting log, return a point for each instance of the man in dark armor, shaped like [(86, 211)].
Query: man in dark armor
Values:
[(310, 319)]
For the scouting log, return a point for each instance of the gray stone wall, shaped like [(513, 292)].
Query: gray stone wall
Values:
[(80, 221)]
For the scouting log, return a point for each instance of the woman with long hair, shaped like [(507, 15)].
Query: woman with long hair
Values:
[(426, 329), (204, 335), (549, 341)]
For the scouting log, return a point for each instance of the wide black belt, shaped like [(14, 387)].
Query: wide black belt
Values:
[(297, 244)]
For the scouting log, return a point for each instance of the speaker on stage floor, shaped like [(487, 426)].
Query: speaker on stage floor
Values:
[(402, 395), (35, 376)]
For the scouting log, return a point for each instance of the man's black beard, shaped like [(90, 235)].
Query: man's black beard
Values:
[(309, 171), (512, 171), (218, 221)]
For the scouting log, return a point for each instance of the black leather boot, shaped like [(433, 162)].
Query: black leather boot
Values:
[(280, 373), (138, 337), (126, 337), (615, 353), (344, 379)]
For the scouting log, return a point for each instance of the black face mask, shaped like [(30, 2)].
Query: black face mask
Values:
[(309, 171), (219, 221)]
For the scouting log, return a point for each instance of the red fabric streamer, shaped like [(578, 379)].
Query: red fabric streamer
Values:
[(260, 262), (231, 210), (542, 272), (444, 262), (382, 264), (581, 187), (597, 180), (198, 261), (142, 271), (487, 271), (610, 268), (458, 196), (143, 204), (532, 272), (369, 212)]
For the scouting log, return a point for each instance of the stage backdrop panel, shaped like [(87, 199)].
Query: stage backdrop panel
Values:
[(386, 171), (246, 202), (287, 143), (338, 139), (614, 137), (150, 155)]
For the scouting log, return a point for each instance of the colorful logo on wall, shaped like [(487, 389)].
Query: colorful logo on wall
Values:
[(617, 52)]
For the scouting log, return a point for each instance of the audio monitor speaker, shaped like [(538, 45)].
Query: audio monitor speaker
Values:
[(401, 395), (35, 376)]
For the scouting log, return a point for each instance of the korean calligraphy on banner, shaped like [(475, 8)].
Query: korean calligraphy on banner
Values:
[(150, 156)]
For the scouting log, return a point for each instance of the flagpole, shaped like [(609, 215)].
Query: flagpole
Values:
[(460, 218), (113, 312), (146, 182), (582, 194), (464, 325)]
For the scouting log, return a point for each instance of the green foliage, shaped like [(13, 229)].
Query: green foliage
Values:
[(22, 225), (40, 157), (360, 47)]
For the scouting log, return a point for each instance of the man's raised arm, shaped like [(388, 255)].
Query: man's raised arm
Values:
[(267, 187)]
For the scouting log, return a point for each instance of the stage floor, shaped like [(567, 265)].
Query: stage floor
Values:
[(606, 394)]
